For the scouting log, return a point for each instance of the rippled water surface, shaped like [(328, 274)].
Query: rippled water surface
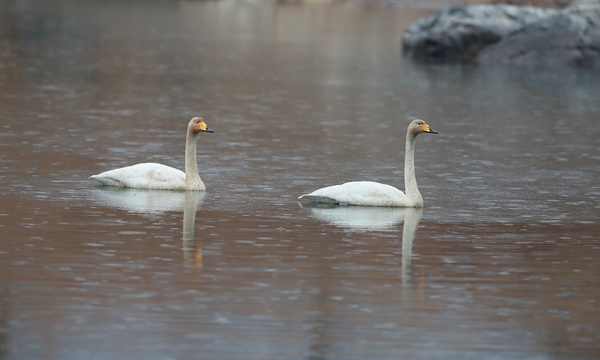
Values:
[(502, 262)]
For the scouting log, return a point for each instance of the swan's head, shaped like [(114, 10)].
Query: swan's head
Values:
[(197, 125), (419, 126)]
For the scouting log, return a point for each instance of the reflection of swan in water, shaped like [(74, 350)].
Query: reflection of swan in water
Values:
[(154, 203), (411, 220), (192, 248), (359, 218), (144, 202), (364, 219)]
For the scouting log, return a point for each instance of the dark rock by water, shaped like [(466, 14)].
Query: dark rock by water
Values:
[(509, 34)]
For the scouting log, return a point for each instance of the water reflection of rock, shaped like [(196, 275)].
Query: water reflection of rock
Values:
[(365, 219), (154, 203)]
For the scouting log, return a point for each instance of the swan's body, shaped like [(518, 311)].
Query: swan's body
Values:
[(369, 193), (365, 193), (161, 177), (145, 176)]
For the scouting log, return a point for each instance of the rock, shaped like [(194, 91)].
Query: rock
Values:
[(506, 34), (459, 33), (568, 38), (543, 3)]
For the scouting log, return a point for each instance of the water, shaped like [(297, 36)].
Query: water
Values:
[(502, 263)]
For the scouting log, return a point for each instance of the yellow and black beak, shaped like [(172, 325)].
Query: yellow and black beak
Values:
[(204, 128), (428, 130)]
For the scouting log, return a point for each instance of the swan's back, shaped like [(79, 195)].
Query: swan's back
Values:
[(144, 176), (362, 193)]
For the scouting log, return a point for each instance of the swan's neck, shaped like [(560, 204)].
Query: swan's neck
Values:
[(410, 180), (192, 178)]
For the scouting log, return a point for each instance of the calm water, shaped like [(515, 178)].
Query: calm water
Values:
[(502, 263)]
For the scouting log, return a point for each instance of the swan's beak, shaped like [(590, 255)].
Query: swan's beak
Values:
[(209, 130), (428, 130)]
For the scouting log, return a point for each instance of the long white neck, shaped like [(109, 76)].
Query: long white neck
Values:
[(410, 179), (192, 178)]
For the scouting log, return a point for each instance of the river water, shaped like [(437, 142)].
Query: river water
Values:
[(501, 263)]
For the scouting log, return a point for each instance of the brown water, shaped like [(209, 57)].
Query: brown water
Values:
[(502, 263)]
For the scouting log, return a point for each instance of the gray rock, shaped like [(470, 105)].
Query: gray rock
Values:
[(507, 34), (568, 38), (459, 33)]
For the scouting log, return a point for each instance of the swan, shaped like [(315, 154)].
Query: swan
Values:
[(369, 193), (161, 177)]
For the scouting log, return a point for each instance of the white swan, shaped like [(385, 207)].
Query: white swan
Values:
[(369, 193), (161, 177)]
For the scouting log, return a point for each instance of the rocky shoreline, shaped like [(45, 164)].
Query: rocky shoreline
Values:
[(509, 34)]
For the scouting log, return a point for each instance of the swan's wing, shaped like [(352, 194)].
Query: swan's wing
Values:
[(146, 176), (365, 193)]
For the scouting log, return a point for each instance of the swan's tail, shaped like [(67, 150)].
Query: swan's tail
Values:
[(318, 199), (106, 181)]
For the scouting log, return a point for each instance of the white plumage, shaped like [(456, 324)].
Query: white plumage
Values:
[(144, 176), (365, 193), (369, 193)]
